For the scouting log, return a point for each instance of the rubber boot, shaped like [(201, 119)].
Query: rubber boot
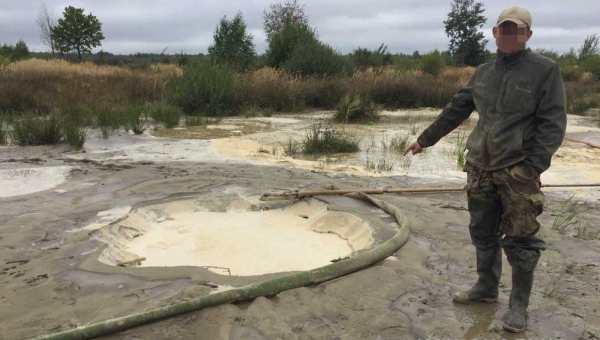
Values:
[(489, 268), (516, 319), (523, 262)]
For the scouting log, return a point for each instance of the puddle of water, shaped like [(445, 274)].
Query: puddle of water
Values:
[(381, 148), (380, 156), (233, 127), (23, 181), (262, 141)]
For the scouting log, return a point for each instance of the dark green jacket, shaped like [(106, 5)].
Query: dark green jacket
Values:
[(522, 112)]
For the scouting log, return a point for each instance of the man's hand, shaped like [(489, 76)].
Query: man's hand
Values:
[(415, 147)]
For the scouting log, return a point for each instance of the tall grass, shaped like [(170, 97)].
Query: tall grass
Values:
[(76, 136), (399, 143), (291, 148), (77, 114), (193, 120), (199, 120), (3, 131), (582, 96), (166, 114), (34, 130), (107, 119), (80, 90), (327, 140), (43, 86), (567, 218), (461, 149), (135, 118), (212, 120)]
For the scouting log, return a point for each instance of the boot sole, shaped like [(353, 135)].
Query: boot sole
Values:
[(512, 329), (484, 300)]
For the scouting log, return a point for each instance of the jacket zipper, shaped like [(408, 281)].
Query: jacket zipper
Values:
[(503, 89)]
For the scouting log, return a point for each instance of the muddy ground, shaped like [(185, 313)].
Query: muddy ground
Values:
[(51, 279)]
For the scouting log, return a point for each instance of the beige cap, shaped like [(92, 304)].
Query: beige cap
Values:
[(517, 14)]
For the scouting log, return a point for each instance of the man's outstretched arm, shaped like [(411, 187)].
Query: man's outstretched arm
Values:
[(459, 109)]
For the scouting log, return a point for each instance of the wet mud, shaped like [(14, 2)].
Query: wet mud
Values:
[(52, 278)]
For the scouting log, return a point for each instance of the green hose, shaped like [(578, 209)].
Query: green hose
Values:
[(246, 293)]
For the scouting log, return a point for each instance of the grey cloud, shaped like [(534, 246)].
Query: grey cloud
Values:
[(404, 25)]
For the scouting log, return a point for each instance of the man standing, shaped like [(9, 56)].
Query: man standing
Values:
[(520, 99)]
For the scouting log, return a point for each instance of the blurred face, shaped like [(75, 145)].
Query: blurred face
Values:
[(511, 37)]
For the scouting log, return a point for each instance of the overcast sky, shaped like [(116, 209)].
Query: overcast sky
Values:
[(131, 26)]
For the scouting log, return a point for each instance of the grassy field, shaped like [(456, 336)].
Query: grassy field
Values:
[(58, 86), (111, 96)]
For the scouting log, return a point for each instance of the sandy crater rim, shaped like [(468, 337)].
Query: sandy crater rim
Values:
[(231, 235)]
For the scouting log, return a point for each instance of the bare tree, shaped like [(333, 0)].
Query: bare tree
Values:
[(46, 21), (589, 47), (281, 13)]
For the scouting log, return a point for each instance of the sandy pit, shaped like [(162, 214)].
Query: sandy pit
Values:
[(131, 196), (233, 237)]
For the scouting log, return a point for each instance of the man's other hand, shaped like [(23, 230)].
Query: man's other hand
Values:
[(414, 147)]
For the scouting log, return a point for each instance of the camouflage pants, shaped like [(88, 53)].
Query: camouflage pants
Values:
[(505, 201)]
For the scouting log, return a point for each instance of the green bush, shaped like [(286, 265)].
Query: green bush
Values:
[(314, 58), (571, 73), (363, 58), (33, 130), (432, 63), (206, 87), (354, 109), (580, 107), (321, 140), (4, 61), (20, 51), (549, 53), (592, 64), (582, 96), (166, 114)]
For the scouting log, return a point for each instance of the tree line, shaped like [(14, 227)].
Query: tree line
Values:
[(292, 44)]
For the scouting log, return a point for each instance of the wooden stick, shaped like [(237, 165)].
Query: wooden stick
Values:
[(290, 195)]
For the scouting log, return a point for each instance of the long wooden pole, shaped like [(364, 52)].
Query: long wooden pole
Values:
[(290, 195)]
